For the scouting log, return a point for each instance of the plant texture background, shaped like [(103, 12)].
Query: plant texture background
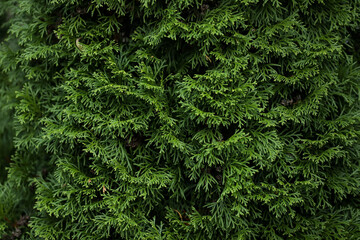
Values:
[(184, 119)]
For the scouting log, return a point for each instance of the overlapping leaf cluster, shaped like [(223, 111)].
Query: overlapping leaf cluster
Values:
[(186, 119)]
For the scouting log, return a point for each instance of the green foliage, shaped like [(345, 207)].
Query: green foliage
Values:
[(187, 119), (5, 119)]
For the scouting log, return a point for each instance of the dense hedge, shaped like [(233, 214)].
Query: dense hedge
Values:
[(184, 119)]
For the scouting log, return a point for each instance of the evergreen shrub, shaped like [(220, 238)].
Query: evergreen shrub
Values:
[(183, 119)]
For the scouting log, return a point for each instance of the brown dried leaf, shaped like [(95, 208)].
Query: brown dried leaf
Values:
[(78, 44), (207, 58)]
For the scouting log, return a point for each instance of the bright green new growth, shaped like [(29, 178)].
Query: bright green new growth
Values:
[(184, 119)]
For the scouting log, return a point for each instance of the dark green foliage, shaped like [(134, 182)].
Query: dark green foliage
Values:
[(5, 115), (5, 127), (187, 119), (16, 198)]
